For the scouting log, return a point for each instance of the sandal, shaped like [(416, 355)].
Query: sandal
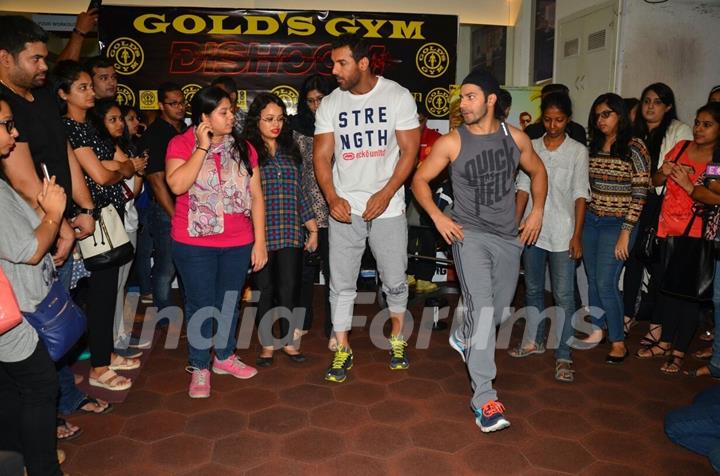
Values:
[(673, 364), (564, 371), (652, 351), (629, 323), (111, 381), (649, 339), (69, 433), (107, 408), (703, 371), (703, 354), (520, 351), (124, 363)]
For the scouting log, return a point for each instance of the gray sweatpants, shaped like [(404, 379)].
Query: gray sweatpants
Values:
[(388, 243), (487, 267)]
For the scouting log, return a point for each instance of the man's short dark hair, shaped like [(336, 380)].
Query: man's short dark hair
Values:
[(359, 47), (97, 62), (166, 88), (226, 83), (16, 31)]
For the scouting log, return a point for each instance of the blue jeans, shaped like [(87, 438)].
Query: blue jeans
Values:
[(600, 234), (163, 270), (562, 277), (208, 274), (69, 395), (697, 427), (144, 250), (715, 360)]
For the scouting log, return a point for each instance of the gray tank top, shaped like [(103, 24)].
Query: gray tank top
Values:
[(483, 181)]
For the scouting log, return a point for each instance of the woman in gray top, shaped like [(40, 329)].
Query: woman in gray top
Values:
[(28, 381)]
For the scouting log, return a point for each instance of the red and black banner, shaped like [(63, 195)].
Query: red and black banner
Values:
[(271, 50)]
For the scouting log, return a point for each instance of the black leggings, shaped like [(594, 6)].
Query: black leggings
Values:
[(279, 285), (28, 392), (101, 296)]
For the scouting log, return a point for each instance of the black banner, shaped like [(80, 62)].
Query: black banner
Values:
[(271, 50)]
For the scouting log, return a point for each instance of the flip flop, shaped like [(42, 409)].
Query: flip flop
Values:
[(108, 381), (89, 399), (72, 435)]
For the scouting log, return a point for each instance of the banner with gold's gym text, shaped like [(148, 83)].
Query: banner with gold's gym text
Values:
[(271, 50)]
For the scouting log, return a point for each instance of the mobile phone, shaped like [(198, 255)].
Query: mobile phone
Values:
[(45, 170), (712, 171), (94, 5)]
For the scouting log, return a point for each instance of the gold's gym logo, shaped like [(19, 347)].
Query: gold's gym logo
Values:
[(189, 91), (432, 60), (125, 95), (437, 102), (148, 99), (289, 96), (127, 54)]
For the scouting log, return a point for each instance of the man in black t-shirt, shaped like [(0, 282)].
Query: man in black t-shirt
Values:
[(170, 123), (42, 139)]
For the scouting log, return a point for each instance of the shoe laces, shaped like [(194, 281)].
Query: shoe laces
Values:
[(235, 362), (341, 355), (492, 407), (398, 345), (199, 377)]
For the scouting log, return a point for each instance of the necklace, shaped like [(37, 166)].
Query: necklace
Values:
[(24, 96)]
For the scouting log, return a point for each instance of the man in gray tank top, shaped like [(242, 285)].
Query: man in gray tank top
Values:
[(483, 155)]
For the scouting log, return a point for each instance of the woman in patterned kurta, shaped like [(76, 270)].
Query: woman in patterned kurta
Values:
[(287, 210)]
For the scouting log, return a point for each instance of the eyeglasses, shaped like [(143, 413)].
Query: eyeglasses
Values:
[(270, 120), (314, 101), (175, 103), (605, 114), (9, 125)]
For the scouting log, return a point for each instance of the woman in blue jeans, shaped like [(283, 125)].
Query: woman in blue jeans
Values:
[(218, 229), (619, 180), (560, 240)]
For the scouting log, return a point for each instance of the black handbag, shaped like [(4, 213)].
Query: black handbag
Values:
[(689, 266), (647, 249)]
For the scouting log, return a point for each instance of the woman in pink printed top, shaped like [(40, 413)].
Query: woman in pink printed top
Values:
[(218, 230)]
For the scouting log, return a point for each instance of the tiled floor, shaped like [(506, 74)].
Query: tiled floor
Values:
[(289, 421)]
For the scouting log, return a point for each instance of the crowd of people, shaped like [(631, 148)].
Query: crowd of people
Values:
[(234, 196)]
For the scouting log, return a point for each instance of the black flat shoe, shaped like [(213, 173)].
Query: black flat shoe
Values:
[(264, 361), (298, 358), (612, 359)]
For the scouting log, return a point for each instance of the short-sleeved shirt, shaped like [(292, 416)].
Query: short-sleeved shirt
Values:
[(238, 229), (30, 282), (83, 134), (40, 126), (568, 180), (677, 205), (156, 140), (366, 148)]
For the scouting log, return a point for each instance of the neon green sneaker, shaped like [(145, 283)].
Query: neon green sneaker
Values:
[(341, 364), (398, 353)]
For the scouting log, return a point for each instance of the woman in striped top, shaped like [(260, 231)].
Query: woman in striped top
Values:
[(619, 180)]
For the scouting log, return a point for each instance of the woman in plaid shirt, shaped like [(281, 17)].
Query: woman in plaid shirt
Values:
[(287, 210)]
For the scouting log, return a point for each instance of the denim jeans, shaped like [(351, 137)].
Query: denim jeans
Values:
[(562, 277), (163, 270), (208, 274), (69, 395), (715, 360), (600, 234), (144, 250), (697, 426)]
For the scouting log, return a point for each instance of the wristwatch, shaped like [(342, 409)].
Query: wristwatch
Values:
[(93, 212)]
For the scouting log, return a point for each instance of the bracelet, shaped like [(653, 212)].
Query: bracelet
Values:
[(204, 150), (93, 212), (83, 34)]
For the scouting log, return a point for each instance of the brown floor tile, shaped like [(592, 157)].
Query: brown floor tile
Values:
[(101, 457), (212, 469), (519, 403), (564, 397), (216, 424), (180, 402), (169, 382), (488, 458), (180, 453), (312, 445), (97, 427), (430, 369), (382, 441), (154, 426), (451, 407), (249, 400), (558, 455), (353, 465), (457, 384), (359, 393), (277, 377), (281, 466), (244, 450), (139, 402), (278, 420), (616, 447), (420, 462), (686, 465), (608, 394), (608, 418), (602, 468), (378, 372), (514, 382), (339, 416), (443, 435), (306, 396), (414, 389), (563, 424)]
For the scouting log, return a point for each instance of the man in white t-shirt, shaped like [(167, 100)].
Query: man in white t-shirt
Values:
[(370, 125)]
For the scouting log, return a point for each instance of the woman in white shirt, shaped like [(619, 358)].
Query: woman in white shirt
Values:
[(560, 240)]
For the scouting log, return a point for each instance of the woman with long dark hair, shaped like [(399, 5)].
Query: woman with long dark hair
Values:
[(218, 230), (619, 179), (105, 166), (683, 167), (658, 126), (287, 211), (312, 92)]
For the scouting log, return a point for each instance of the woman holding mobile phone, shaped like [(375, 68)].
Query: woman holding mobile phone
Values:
[(218, 229)]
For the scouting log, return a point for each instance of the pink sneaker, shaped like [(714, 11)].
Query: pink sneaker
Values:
[(233, 366), (199, 383)]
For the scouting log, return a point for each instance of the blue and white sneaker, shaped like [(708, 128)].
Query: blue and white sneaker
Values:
[(457, 344), (491, 417)]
